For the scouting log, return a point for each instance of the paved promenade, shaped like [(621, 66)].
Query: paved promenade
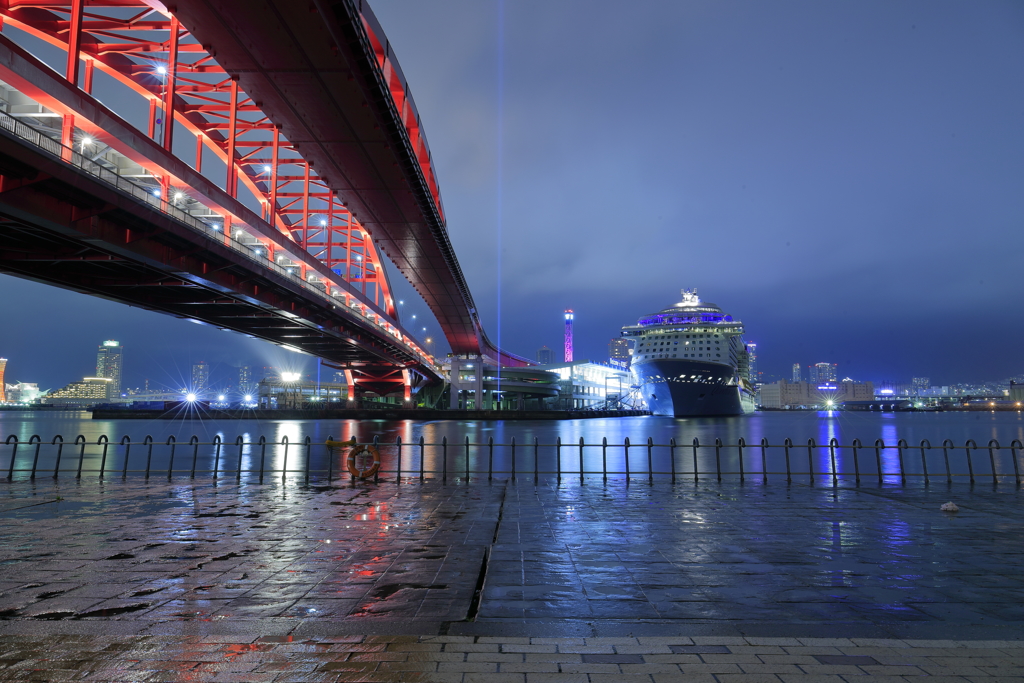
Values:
[(158, 581)]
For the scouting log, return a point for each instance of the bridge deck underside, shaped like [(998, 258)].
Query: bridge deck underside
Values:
[(61, 227)]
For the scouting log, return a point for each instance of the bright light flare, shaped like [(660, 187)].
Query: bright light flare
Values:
[(290, 376), (190, 398)]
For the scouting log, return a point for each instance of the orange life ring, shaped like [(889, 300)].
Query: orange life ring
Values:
[(372, 470)]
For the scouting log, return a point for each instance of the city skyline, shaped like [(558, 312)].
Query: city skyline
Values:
[(846, 137)]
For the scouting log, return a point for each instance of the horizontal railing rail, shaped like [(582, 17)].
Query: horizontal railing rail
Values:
[(466, 460)]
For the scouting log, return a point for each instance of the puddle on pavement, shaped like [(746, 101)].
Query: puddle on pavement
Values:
[(386, 591)]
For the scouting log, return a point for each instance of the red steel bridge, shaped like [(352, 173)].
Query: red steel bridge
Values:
[(249, 165)]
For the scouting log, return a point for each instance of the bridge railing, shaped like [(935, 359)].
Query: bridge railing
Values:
[(464, 461), (207, 229)]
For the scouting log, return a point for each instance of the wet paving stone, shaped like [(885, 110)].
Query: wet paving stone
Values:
[(164, 581)]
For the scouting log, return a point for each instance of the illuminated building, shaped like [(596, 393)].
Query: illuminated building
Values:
[(752, 361), (568, 335), (3, 393), (620, 350), (809, 395), (921, 385), (109, 360), (797, 375), (245, 379), (545, 356), (822, 372), (90, 391), (200, 377)]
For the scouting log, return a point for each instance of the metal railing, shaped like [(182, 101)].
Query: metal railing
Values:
[(466, 460), (210, 231)]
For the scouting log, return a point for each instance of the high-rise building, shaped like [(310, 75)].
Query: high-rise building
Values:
[(89, 391), (568, 335), (109, 361), (619, 348), (245, 379), (545, 356), (3, 366), (752, 361), (200, 377), (822, 372), (921, 385), (797, 375)]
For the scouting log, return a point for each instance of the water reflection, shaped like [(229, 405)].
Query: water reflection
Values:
[(546, 456)]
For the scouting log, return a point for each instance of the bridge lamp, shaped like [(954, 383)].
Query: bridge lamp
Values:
[(86, 141), (267, 169), (156, 192), (190, 398), (161, 70), (248, 398), (323, 223), (178, 196)]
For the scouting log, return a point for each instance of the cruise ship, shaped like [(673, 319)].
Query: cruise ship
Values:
[(690, 360)]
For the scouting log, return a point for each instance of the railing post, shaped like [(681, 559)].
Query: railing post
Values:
[(467, 459), (105, 442), (490, 458), (148, 441), (1015, 446), (604, 456), (764, 460), (946, 445), (925, 444), (558, 459), (856, 465), (444, 459), (696, 445), (421, 458), (376, 447), (650, 461), (398, 473), (900, 445), (832, 443), (80, 441), (59, 442), (583, 481), (513, 459), (239, 442), (263, 455), (194, 443), (672, 456), (992, 459), (739, 447), (626, 448), (172, 442), (718, 458), (35, 458), (127, 443), (810, 459), (879, 447), (970, 466), (284, 468), (536, 460), (309, 453), (788, 443), (14, 454)]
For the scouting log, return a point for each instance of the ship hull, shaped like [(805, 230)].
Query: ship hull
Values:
[(688, 388)]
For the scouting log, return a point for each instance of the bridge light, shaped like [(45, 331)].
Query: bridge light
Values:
[(267, 169), (156, 192), (178, 196), (323, 223), (248, 398), (190, 397), (161, 70)]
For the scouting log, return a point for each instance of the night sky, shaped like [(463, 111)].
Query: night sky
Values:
[(847, 178)]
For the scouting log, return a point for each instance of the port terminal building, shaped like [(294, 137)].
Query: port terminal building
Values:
[(476, 384), (786, 395)]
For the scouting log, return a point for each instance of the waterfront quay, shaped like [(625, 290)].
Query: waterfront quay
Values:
[(508, 581), (381, 413)]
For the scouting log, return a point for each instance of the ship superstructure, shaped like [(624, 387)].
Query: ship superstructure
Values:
[(690, 360)]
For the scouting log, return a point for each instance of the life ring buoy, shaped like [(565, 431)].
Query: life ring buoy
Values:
[(369, 472)]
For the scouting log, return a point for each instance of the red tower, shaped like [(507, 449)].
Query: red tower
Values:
[(568, 335)]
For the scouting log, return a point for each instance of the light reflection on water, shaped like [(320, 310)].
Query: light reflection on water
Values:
[(775, 427)]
